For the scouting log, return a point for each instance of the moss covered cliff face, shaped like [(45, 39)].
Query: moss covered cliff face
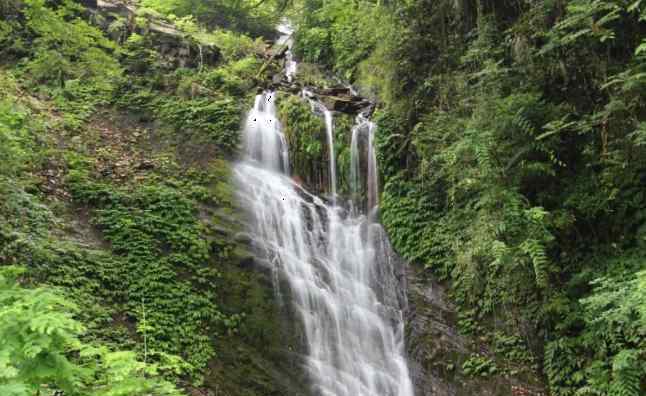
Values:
[(264, 356), (146, 245), (447, 361)]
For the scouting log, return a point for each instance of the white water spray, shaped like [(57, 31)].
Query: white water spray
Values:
[(263, 138), (373, 177), (355, 186)]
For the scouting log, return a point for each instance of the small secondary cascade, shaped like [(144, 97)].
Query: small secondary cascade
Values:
[(329, 129), (286, 39), (328, 117), (363, 126), (340, 271)]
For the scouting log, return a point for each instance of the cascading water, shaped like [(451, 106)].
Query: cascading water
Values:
[(354, 163), (328, 117), (286, 39), (264, 140), (373, 180), (329, 129), (339, 268), (363, 127)]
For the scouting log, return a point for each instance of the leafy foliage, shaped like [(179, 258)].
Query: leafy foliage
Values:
[(339, 34), (307, 141), (133, 249), (41, 350), (67, 47), (479, 366), (306, 138)]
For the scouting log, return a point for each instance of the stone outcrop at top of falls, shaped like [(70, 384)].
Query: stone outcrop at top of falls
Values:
[(336, 98)]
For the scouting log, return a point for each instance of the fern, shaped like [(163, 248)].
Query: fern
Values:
[(627, 374), (41, 349), (536, 252)]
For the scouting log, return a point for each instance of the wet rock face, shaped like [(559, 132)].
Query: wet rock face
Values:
[(277, 52), (265, 355), (431, 340), (436, 351), (339, 99)]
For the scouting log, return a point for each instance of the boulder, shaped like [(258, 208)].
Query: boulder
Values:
[(293, 88), (335, 91), (277, 79)]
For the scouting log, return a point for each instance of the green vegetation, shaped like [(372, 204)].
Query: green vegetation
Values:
[(511, 144), (248, 16), (39, 337), (305, 133), (116, 199), (479, 366), (155, 232)]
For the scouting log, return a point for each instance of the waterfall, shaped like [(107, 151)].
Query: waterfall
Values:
[(329, 129), (363, 126), (264, 140), (355, 186), (373, 177), (328, 117), (286, 39), (339, 270), (339, 267)]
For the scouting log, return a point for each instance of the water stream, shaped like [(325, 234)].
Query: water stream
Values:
[(363, 130), (338, 265), (329, 130), (286, 39)]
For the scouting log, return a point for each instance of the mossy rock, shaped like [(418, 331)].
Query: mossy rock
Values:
[(262, 356)]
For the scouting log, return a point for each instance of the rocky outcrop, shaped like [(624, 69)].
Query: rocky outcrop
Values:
[(437, 351), (176, 47), (336, 98), (349, 104), (276, 52)]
